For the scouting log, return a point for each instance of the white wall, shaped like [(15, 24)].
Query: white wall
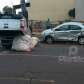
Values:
[(79, 5), (53, 9)]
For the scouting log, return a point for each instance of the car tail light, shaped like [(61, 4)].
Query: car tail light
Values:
[(22, 25)]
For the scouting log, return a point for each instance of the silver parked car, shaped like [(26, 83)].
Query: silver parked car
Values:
[(69, 31)]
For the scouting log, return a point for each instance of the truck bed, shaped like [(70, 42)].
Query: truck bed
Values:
[(9, 24)]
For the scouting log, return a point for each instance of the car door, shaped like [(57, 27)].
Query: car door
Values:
[(75, 31), (62, 33)]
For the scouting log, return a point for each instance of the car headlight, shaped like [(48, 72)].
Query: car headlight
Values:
[(43, 33)]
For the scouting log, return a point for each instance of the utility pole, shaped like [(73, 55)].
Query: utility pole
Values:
[(24, 10)]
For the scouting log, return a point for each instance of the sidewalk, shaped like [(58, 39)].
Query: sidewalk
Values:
[(37, 34)]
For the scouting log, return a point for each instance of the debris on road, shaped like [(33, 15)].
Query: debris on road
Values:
[(24, 43), (35, 41)]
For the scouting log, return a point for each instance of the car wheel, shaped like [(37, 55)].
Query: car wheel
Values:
[(49, 40), (81, 40)]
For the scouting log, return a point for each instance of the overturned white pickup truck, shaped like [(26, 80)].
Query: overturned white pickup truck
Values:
[(11, 26)]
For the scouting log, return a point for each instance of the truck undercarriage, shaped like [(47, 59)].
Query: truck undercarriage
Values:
[(7, 38)]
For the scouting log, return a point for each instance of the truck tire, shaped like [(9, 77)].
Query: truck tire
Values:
[(6, 44)]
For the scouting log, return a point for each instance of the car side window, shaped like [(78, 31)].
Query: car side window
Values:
[(75, 27), (63, 28)]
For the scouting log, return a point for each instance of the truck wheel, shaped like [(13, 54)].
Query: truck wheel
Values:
[(81, 40), (49, 40), (6, 44)]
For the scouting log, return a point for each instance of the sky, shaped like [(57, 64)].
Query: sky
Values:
[(8, 3)]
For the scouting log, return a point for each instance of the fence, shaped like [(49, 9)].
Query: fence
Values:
[(39, 26)]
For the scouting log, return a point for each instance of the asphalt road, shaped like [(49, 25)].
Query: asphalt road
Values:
[(61, 62)]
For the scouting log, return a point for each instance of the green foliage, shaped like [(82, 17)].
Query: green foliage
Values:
[(71, 13), (7, 10)]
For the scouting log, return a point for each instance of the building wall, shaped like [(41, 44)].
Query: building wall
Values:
[(53, 9), (79, 6)]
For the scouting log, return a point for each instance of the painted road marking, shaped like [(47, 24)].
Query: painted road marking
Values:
[(27, 55)]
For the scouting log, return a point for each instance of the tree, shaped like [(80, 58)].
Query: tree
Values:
[(0, 12), (71, 13), (7, 10)]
